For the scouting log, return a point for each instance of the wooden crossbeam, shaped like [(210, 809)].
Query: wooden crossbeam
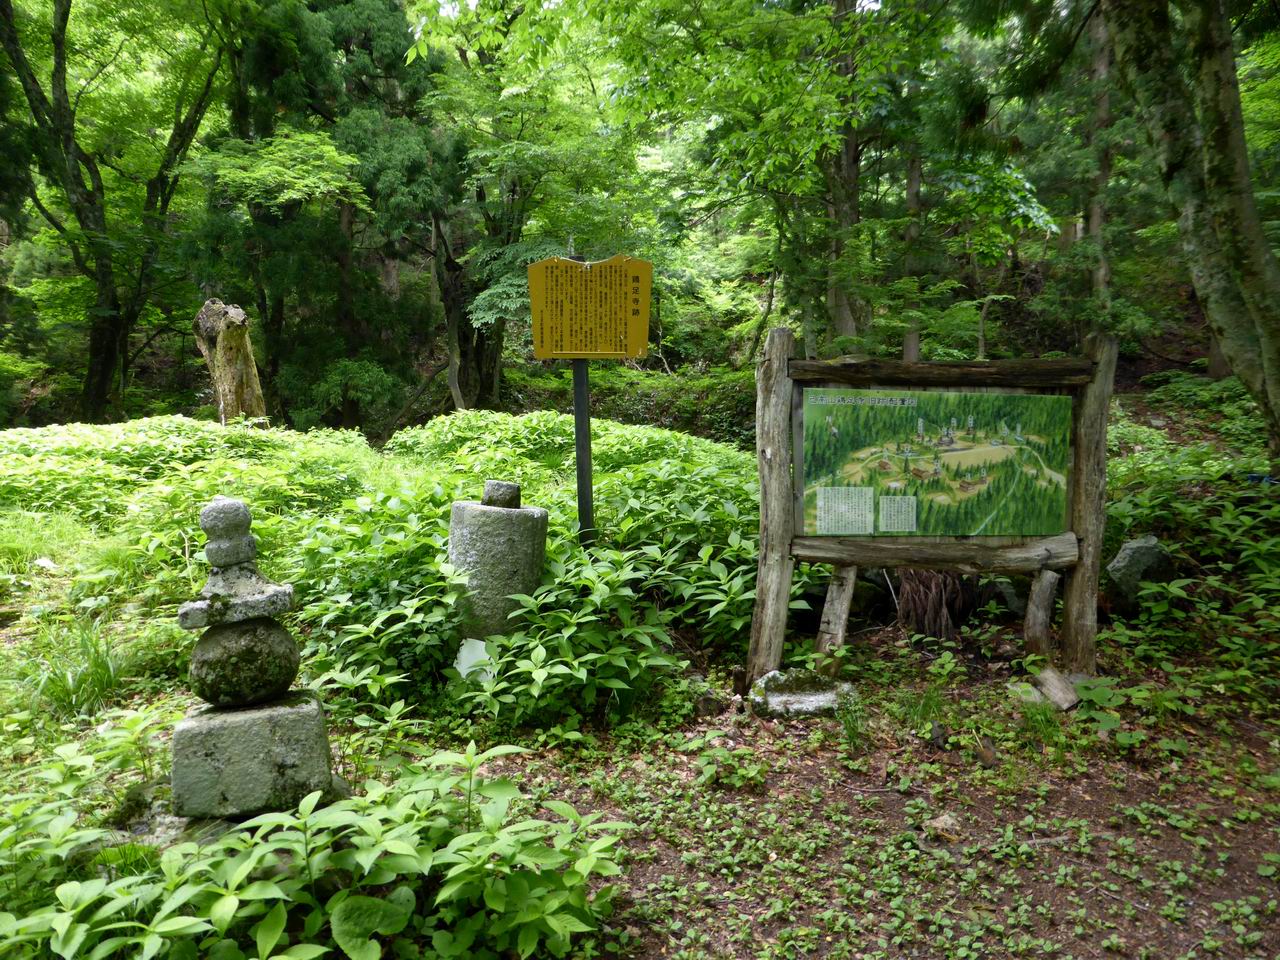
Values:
[(1048, 374), (964, 556)]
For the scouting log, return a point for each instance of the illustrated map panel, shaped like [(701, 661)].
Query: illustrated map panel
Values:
[(934, 463)]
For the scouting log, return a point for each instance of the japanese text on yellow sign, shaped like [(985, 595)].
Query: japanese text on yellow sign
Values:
[(590, 310)]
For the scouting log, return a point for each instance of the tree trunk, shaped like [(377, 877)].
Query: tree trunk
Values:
[(222, 334), (348, 319), (108, 339), (844, 213), (1096, 210), (1218, 368), (481, 356), (910, 237), (763, 323), (475, 353), (1198, 134), (986, 297), (809, 327), (455, 319), (843, 173)]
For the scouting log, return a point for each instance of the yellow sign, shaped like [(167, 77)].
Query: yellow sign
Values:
[(590, 310)]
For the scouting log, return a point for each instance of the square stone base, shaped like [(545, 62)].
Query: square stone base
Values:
[(239, 761)]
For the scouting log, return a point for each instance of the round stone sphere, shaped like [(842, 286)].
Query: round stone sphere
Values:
[(225, 517), (240, 664)]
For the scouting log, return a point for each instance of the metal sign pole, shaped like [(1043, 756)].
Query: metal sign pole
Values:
[(582, 451), (581, 311)]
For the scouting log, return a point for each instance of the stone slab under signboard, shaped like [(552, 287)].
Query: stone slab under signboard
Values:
[(236, 762), (1057, 689), (797, 693)]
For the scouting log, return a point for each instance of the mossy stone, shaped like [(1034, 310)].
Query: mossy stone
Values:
[(797, 693), (240, 664)]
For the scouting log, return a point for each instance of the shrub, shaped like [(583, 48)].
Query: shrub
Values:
[(587, 644), (718, 404), (444, 856), (363, 536), (1224, 529)]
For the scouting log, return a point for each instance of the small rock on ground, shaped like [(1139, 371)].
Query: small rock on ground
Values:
[(797, 693), (1138, 560), (944, 826)]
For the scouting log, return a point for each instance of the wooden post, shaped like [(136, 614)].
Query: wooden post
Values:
[(777, 519), (835, 613), (582, 452), (1088, 509), (1035, 630)]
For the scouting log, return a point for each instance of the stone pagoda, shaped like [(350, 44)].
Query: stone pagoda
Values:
[(257, 745)]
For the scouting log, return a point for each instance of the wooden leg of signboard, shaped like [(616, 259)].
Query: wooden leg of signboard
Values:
[(582, 451), (1088, 509), (835, 616), (773, 452), (1035, 629)]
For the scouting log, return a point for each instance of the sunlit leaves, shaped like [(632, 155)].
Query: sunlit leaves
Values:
[(293, 167)]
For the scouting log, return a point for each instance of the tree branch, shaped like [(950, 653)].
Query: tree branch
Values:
[(102, 68), (66, 237), (159, 332), (41, 109)]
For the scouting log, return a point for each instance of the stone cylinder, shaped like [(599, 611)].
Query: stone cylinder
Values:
[(501, 551)]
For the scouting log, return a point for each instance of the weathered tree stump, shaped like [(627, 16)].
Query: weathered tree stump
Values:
[(222, 334)]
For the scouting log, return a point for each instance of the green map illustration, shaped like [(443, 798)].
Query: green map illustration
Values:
[(925, 463)]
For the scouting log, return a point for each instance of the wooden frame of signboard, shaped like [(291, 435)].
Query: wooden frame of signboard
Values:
[(1075, 554)]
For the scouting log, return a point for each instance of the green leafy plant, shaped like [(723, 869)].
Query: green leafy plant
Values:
[(440, 857), (851, 712)]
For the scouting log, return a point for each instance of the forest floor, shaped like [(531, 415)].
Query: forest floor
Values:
[(797, 838)]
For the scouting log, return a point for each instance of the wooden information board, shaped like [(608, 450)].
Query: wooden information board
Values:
[(590, 310), (974, 467)]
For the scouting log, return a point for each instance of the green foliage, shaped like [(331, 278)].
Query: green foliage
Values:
[(364, 383), (851, 711), (84, 670), (995, 203), (364, 538), (1222, 523), (589, 644), (75, 668), (28, 536), (737, 768), (1220, 405), (295, 167), (726, 766), (717, 405), (16, 374), (444, 856)]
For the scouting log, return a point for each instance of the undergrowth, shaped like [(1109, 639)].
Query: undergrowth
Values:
[(99, 542)]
